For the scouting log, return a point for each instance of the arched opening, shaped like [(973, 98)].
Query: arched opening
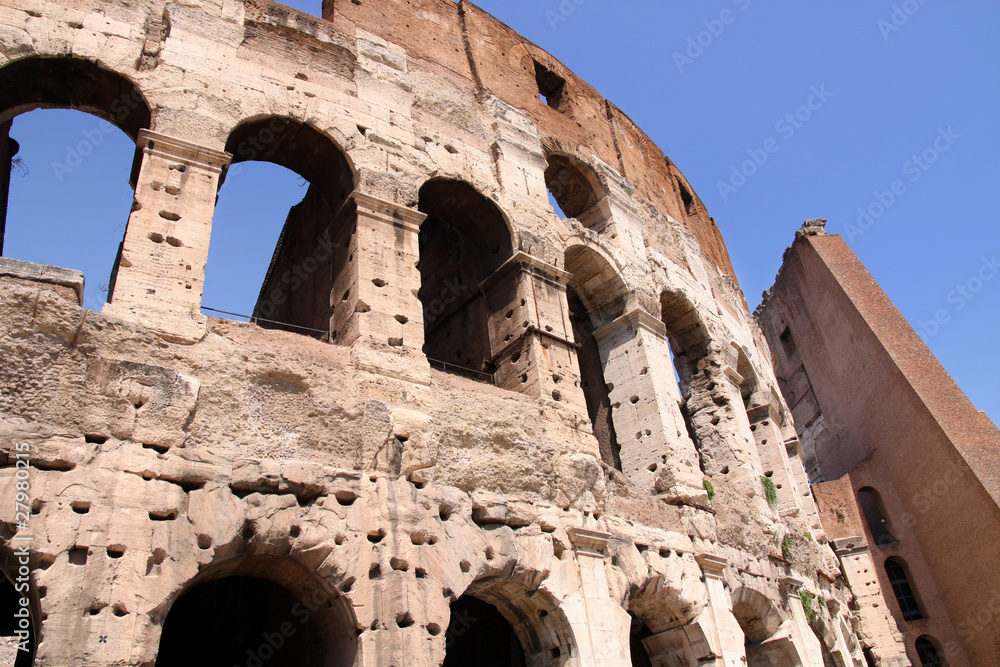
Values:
[(874, 513), (18, 631), (479, 636), (760, 620), (574, 189), (294, 252), (638, 631), (596, 296), (463, 240), (499, 622), (928, 653), (749, 383), (689, 347), (906, 598), (263, 610), (68, 129)]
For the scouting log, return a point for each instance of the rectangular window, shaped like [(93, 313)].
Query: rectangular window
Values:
[(550, 86)]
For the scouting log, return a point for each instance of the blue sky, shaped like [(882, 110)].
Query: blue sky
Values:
[(713, 83)]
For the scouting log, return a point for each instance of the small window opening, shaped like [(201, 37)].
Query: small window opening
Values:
[(928, 653), (787, 342), (905, 596), (551, 86)]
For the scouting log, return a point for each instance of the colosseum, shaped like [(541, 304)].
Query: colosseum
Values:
[(461, 429)]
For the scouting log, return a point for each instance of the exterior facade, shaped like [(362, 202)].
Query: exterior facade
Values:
[(905, 468), (484, 446)]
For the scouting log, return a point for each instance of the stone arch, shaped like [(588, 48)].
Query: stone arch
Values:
[(312, 239), (758, 617), (689, 339), (664, 626), (68, 83), (748, 375), (596, 295), (12, 602), (542, 630), (463, 241), (575, 186), (73, 83), (279, 595)]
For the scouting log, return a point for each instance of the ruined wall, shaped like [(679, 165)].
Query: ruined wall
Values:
[(171, 452), (870, 399)]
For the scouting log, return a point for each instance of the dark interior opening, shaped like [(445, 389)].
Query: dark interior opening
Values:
[(463, 240), (928, 653), (551, 86), (637, 632), (570, 185), (225, 621), (878, 523), (10, 625), (479, 636)]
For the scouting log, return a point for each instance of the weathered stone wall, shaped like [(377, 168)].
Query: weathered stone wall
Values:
[(170, 450)]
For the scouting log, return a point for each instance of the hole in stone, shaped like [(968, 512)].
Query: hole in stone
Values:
[(363, 130), (347, 294), (339, 540), (375, 571), (556, 395), (80, 506), (524, 378), (376, 536), (294, 531), (374, 625), (116, 551), (433, 629), (465, 565), (399, 564), (768, 473), (378, 282), (155, 237), (174, 242), (420, 572), (346, 498), (162, 515), (490, 553), (404, 619), (169, 215), (550, 86), (444, 512), (95, 439), (205, 541), (634, 400), (94, 611), (664, 553), (447, 592), (78, 556), (361, 307), (402, 319), (347, 585), (725, 470), (119, 611), (652, 467), (395, 342)]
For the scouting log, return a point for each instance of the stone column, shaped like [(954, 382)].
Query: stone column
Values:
[(531, 336), (602, 636), (878, 629), (160, 272), (717, 620), (764, 424), (374, 299), (810, 653), (656, 452)]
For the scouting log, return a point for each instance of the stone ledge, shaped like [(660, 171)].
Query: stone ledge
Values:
[(43, 273)]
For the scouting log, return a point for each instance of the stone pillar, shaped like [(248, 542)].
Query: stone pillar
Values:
[(656, 452), (878, 630), (160, 272), (807, 646), (764, 424), (531, 336), (602, 635), (717, 620), (374, 301)]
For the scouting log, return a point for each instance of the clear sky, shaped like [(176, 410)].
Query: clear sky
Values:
[(898, 150)]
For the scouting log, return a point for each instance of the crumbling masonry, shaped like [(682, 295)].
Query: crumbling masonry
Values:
[(485, 449)]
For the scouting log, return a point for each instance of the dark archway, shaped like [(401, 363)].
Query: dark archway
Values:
[(17, 616), (267, 609), (906, 597), (70, 238), (307, 247), (463, 241), (875, 516), (479, 636), (575, 188), (928, 652), (637, 650), (596, 296)]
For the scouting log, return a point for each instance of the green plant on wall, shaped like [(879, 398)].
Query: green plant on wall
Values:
[(770, 491), (807, 604), (786, 547), (709, 488)]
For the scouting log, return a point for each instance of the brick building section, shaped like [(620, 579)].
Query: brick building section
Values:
[(869, 399)]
